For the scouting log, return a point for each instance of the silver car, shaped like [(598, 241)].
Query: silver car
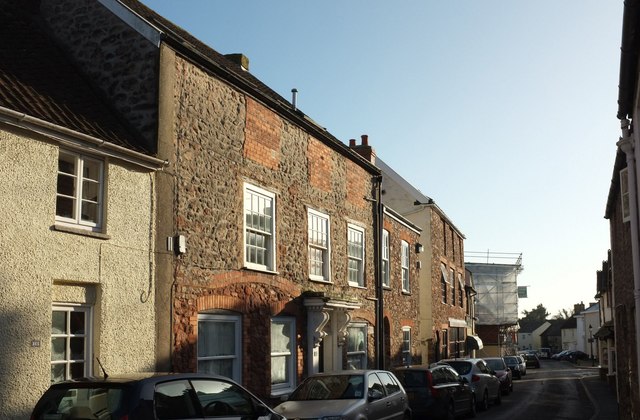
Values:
[(348, 395), (483, 380)]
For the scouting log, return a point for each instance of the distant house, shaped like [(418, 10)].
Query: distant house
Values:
[(605, 335), (552, 336), (588, 323), (569, 333), (530, 334)]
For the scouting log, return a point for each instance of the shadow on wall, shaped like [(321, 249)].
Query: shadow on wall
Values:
[(18, 394)]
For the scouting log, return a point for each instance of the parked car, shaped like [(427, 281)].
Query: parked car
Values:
[(484, 382), (558, 356), (575, 355), (437, 392), (523, 365), (503, 373), (532, 361), (544, 352), (348, 395), (513, 363), (148, 396)]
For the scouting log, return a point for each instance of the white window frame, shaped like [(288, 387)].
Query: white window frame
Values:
[(252, 191), (460, 291), (79, 181), (290, 354), (624, 195), (68, 336), (353, 258), (386, 276), (406, 345), (323, 227), (358, 353), (404, 258), (236, 358)]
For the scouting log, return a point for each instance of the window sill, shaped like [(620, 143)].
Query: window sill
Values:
[(280, 392), (79, 231), (386, 287), (320, 281), (406, 292), (357, 286), (260, 270)]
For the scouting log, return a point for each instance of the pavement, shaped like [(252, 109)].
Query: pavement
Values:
[(600, 393)]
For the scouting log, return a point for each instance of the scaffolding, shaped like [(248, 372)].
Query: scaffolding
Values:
[(496, 284)]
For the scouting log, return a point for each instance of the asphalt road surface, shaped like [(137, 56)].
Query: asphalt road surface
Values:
[(553, 392)]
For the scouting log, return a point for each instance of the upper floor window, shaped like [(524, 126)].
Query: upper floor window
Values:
[(453, 288), (443, 282), (624, 194), (79, 190), (461, 291), (386, 282), (318, 226), (405, 266), (259, 228), (355, 251)]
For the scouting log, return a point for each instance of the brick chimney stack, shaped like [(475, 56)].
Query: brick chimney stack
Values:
[(363, 149)]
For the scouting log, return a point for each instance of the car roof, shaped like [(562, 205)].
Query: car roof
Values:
[(137, 377)]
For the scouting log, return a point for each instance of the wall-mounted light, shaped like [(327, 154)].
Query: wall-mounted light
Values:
[(419, 248), (177, 244)]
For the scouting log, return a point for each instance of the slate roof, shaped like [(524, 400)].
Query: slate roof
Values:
[(36, 79), (554, 329), (529, 326)]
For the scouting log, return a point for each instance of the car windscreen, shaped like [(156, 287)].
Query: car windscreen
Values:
[(330, 387), (462, 368), (510, 360), (95, 402)]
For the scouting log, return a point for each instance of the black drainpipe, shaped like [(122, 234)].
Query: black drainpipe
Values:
[(379, 216)]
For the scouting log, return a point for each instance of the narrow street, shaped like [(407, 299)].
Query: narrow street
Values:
[(555, 391)]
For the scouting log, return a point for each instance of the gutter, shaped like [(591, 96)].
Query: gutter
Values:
[(628, 58), (78, 140)]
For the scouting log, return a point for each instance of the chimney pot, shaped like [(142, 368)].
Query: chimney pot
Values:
[(365, 140), (352, 143)]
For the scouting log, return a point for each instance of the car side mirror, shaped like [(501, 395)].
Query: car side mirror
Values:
[(375, 394), (464, 380)]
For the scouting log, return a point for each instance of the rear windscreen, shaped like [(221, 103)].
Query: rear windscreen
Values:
[(412, 378), (461, 367), (80, 403)]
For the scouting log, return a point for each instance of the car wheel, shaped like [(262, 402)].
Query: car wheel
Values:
[(472, 410), (484, 404)]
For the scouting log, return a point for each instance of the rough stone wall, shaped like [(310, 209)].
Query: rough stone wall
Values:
[(120, 62), (445, 251), (401, 308), (625, 337), (218, 131)]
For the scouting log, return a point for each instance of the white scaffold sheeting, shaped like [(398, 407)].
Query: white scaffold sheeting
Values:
[(497, 287)]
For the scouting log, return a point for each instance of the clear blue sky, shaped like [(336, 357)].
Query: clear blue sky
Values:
[(504, 112)]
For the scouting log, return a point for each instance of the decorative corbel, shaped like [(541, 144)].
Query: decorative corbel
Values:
[(342, 320), (317, 319)]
